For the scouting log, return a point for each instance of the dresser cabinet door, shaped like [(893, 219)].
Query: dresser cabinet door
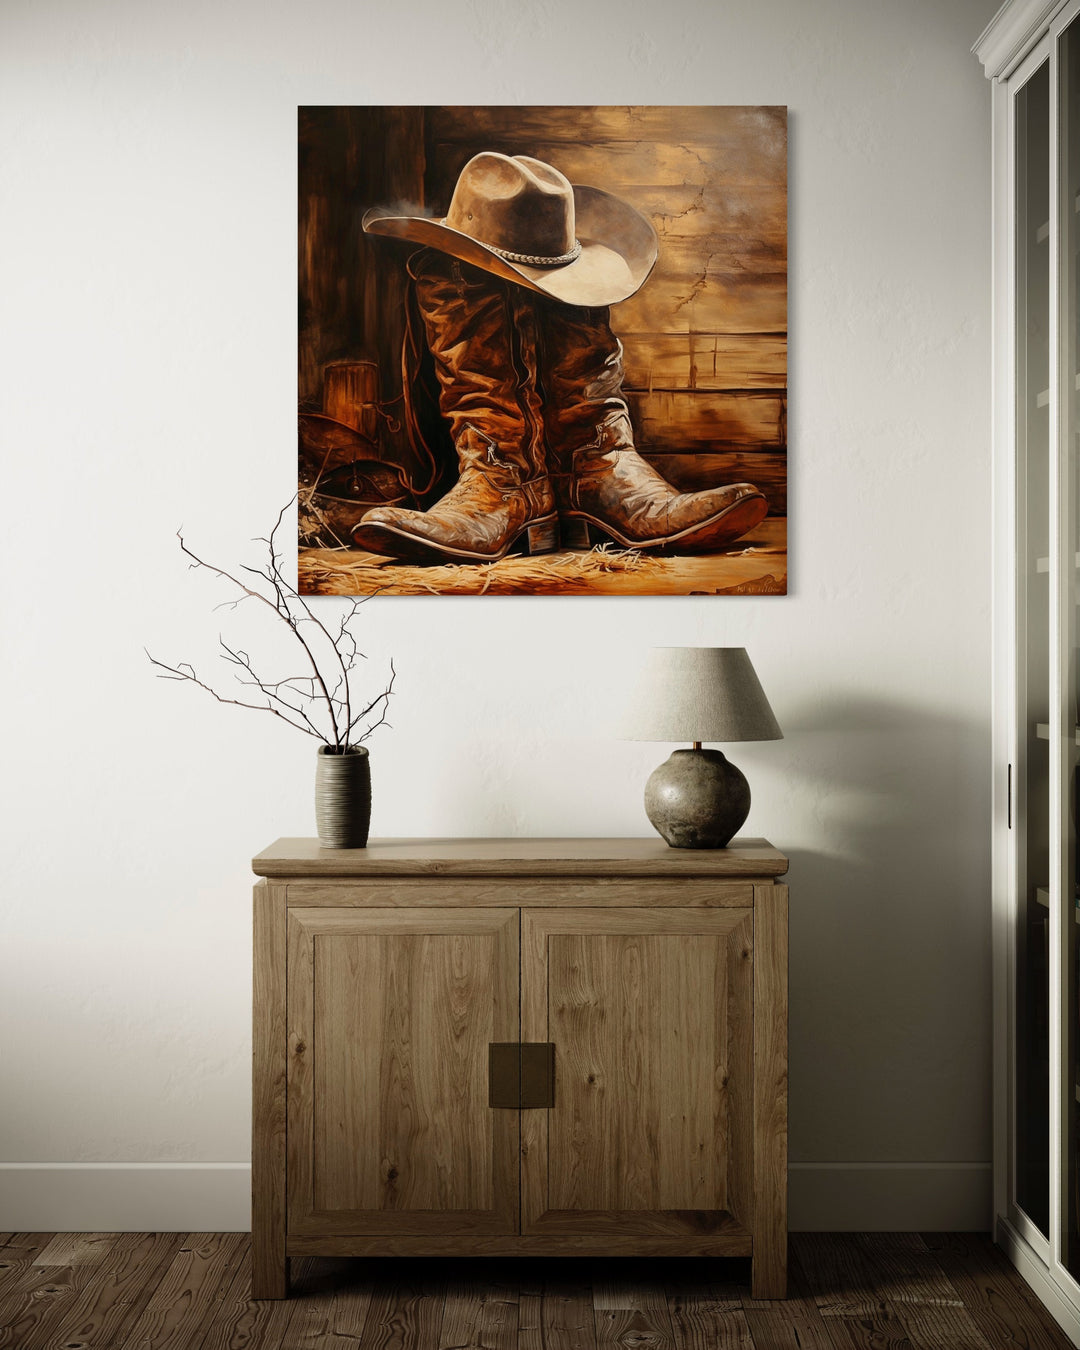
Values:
[(391, 1012), (650, 1014)]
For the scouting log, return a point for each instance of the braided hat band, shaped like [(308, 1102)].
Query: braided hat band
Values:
[(536, 259)]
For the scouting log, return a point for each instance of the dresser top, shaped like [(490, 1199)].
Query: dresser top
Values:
[(519, 858)]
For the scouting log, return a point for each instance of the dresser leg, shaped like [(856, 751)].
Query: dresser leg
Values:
[(269, 1273), (768, 1277)]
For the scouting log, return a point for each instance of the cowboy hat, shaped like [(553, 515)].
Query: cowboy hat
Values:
[(522, 220)]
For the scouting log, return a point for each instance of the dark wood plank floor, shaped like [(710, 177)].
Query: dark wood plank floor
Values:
[(850, 1291)]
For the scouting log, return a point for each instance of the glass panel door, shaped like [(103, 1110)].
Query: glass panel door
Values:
[(1068, 309), (1032, 937)]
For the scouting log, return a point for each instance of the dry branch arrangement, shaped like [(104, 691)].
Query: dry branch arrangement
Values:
[(323, 703)]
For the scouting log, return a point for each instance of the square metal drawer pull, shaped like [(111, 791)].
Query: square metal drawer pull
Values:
[(521, 1076)]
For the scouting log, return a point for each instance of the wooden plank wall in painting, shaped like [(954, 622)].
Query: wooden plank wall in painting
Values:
[(705, 338), (351, 303)]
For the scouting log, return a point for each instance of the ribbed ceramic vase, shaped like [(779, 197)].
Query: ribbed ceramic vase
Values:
[(342, 796)]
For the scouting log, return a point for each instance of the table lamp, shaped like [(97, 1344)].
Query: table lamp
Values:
[(697, 799)]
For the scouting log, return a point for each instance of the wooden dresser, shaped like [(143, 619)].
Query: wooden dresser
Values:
[(520, 1047)]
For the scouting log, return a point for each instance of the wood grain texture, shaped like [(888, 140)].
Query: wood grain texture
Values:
[(351, 305), (300, 1107), (788, 1325), (700, 1325), (770, 1090), (837, 1275), (905, 1271), (337, 922), (736, 1066), (32, 1306), (469, 1305), (753, 215), (631, 1312), (705, 421), (611, 858), (188, 1295), (116, 1292), (683, 892), (908, 1280), (712, 361), (269, 1274), (534, 1027), (1004, 1308), (767, 470), (401, 1121), (350, 395), (693, 1225), (637, 1005), (589, 1244), (332, 1304), (943, 1324), (44, 1278), (267, 1324), (406, 1316), (76, 1249), (622, 1328), (637, 1083), (645, 922), (391, 1014), (37, 1304), (479, 1318), (691, 291), (17, 1256), (880, 1330), (717, 126), (556, 1316)]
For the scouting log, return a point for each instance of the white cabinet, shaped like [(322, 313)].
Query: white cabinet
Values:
[(1031, 51)]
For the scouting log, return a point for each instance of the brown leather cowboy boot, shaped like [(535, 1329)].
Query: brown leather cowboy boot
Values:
[(482, 335), (600, 479)]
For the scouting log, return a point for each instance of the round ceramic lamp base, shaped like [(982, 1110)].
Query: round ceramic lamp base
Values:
[(697, 799)]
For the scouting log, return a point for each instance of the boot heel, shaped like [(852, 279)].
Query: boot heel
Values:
[(543, 537), (575, 533)]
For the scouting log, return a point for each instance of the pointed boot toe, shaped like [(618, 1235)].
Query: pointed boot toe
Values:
[(392, 532), (726, 514)]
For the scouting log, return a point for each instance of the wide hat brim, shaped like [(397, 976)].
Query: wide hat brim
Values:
[(618, 250)]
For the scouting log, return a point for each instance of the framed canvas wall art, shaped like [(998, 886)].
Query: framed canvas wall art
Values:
[(543, 351)]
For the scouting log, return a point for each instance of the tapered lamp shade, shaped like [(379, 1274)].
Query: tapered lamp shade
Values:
[(697, 798)]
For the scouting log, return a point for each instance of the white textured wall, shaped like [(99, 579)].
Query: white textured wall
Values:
[(147, 377)]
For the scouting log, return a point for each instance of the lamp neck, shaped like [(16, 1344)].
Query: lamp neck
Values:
[(697, 745)]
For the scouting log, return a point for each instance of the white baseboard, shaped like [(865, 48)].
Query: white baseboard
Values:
[(890, 1197), (215, 1197), (125, 1197)]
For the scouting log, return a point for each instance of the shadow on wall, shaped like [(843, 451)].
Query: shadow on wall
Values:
[(890, 933)]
